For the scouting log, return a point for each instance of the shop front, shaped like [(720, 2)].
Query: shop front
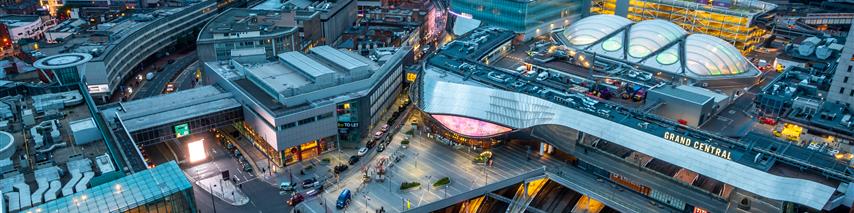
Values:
[(308, 150)]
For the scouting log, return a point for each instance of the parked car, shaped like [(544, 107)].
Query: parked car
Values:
[(296, 199), (343, 199), (371, 143), (353, 160), (311, 182), (384, 128), (378, 135), (362, 151), (381, 148), (245, 166), (287, 186)]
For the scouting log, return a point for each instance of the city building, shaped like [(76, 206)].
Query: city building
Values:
[(658, 47), (304, 104), (527, 18), (732, 21), (164, 188), (119, 46), (465, 101), (65, 69), (248, 35), (64, 29), (841, 88), (25, 26), (320, 22), (74, 163)]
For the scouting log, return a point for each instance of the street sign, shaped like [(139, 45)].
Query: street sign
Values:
[(182, 130)]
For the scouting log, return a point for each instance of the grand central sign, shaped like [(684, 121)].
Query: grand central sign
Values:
[(698, 145)]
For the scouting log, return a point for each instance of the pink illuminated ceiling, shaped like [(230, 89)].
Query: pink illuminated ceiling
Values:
[(469, 126)]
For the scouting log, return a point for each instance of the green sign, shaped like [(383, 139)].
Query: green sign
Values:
[(182, 130)]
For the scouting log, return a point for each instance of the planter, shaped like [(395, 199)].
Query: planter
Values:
[(409, 185), (445, 181)]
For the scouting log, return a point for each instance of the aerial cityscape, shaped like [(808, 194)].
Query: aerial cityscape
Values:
[(446, 106)]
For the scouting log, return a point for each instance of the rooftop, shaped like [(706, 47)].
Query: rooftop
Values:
[(241, 20), (18, 20), (124, 193), (298, 80), (101, 39), (185, 104)]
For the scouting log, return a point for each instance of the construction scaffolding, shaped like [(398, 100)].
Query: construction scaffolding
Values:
[(732, 24)]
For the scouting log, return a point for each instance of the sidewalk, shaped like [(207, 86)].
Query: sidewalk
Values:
[(224, 190)]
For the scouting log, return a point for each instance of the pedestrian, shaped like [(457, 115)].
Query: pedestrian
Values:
[(301, 172)]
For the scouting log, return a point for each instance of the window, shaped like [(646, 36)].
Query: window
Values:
[(851, 93), (324, 116), (305, 121), (289, 125), (849, 67), (841, 90), (845, 80)]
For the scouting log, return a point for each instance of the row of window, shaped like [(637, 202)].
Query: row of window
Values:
[(842, 90), (305, 121), (393, 81)]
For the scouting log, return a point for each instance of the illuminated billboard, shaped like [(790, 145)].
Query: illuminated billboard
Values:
[(470, 126)]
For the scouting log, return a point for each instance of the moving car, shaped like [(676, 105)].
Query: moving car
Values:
[(170, 87), (381, 148), (287, 186), (353, 160), (362, 151), (314, 192), (311, 182), (343, 199), (296, 199)]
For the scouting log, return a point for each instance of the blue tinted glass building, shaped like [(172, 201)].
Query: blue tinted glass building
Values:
[(529, 17)]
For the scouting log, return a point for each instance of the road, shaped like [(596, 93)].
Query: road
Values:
[(156, 86), (263, 197), (426, 161)]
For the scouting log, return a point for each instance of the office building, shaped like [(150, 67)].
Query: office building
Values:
[(320, 22), (528, 18), (732, 21), (842, 86), (248, 35), (25, 26)]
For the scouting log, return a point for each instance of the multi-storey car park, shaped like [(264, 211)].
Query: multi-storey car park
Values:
[(119, 46), (470, 103), (732, 21)]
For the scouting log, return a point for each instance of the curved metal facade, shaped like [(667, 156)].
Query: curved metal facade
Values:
[(518, 110)]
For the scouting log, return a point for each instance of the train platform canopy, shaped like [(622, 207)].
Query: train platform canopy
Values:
[(170, 108), (123, 194)]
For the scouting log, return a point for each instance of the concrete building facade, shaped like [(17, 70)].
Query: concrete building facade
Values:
[(247, 34), (305, 104), (842, 86)]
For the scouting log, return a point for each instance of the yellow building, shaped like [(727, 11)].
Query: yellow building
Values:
[(731, 21)]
